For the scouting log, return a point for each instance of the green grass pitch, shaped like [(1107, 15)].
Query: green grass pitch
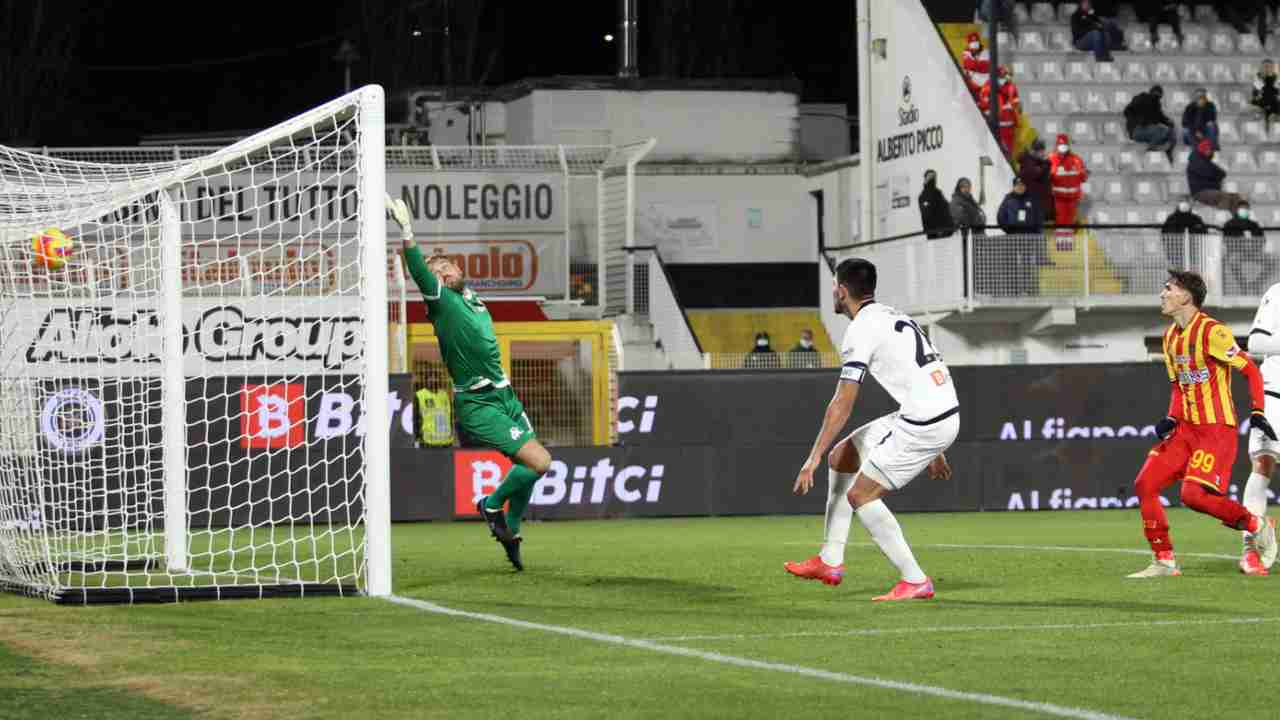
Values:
[(1051, 622)]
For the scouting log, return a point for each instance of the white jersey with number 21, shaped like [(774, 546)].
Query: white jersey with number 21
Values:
[(891, 347)]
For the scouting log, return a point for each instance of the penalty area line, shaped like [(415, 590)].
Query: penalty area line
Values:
[(752, 664), (1042, 548)]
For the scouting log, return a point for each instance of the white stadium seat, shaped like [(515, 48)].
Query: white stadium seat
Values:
[(1066, 10), (1249, 45), (1096, 102), (1104, 215), (1021, 13), (1107, 73), (1147, 191), (1099, 161), (1042, 13), (1139, 41), (1078, 71), (1178, 100), (1158, 216), (1273, 135), (1049, 71), (1166, 43), (1220, 217), (1194, 42), (1135, 216), (1082, 131), (1221, 72), (1247, 71), (1114, 190), (1113, 131), (1269, 162), (1051, 127), (1181, 158), (1060, 40), (1193, 72), (1204, 13), (1127, 161), (1136, 72), (1254, 131), (1227, 132), (1120, 98), (1237, 101), (1007, 41), (1261, 191), (1243, 161), (1021, 70), (1272, 216), (1222, 42), (1156, 161), (1037, 102), (1165, 72), (1176, 186), (1030, 41), (1065, 101)]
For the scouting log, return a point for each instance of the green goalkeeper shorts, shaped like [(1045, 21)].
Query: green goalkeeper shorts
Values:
[(492, 418)]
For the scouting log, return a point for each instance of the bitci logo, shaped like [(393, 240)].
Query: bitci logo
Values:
[(476, 474), (272, 416)]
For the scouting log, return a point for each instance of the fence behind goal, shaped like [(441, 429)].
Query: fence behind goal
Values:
[(156, 393)]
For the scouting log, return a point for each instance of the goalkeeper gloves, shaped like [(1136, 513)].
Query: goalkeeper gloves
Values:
[(1258, 420), (1165, 427), (400, 213)]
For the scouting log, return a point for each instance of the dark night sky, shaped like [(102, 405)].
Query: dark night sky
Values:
[(136, 71)]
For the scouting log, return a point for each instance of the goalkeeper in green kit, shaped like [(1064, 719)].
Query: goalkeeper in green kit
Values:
[(488, 412)]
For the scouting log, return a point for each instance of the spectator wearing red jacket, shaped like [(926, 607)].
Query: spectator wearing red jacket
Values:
[(1010, 106), (976, 63), (1067, 175)]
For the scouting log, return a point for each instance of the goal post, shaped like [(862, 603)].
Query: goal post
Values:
[(196, 404)]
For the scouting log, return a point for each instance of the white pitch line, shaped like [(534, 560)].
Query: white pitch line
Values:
[(918, 689), (1045, 548), (967, 628)]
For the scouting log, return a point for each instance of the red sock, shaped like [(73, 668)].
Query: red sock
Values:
[(1155, 524), (1231, 513)]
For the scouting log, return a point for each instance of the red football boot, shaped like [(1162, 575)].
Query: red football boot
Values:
[(908, 591), (815, 569)]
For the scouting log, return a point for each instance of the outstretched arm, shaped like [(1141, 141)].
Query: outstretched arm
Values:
[(414, 264), (838, 411)]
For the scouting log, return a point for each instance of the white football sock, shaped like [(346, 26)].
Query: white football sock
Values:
[(887, 533), (839, 516), (1255, 496)]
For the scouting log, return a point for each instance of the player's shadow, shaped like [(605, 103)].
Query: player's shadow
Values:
[(653, 585), (1127, 606)]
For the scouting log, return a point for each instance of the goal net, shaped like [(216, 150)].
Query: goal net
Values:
[(161, 393)]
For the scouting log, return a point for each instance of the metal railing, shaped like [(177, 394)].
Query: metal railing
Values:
[(655, 297), (1091, 266)]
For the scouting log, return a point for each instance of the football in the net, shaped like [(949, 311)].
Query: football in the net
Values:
[(52, 247)]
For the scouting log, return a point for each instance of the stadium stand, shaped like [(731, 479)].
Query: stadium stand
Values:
[(1066, 90)]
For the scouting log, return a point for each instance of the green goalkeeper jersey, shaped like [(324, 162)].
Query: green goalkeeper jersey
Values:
[(463, 327)]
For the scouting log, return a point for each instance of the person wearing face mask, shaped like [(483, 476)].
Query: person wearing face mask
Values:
[(1146, 122), (1200, 120), (976, 62), (1067, 175), (1010, 106), (804, 354), (1183, 230), (1204, 179), (935, 213), (1021, 220), (1090, 32), (1242, 244), (762, 356), (971, 221), (1033, 168)]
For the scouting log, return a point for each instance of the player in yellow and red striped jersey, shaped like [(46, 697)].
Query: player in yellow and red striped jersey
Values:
[(1198, 437)]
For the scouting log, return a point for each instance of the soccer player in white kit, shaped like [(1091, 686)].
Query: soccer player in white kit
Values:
[(1264, 341), (885, 454)]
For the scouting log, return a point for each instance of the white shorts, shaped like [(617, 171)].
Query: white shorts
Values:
[(895, 450), (1258, 443)]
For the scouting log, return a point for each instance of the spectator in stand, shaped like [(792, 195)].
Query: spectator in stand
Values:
[(1091, 32), (976, 62), (1010, 106), (1067, 175), (935, 213), (966, 213), (1033, 168), (1243, 261), (1182, 231), (1146, 122), (1004, 13), (1020, 216), (762, 356), (804, 354), (1204, 179), (1200, 120), (1160, 12), (1266, 96)]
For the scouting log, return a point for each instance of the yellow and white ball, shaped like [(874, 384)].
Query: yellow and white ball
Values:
[(52, 248)]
